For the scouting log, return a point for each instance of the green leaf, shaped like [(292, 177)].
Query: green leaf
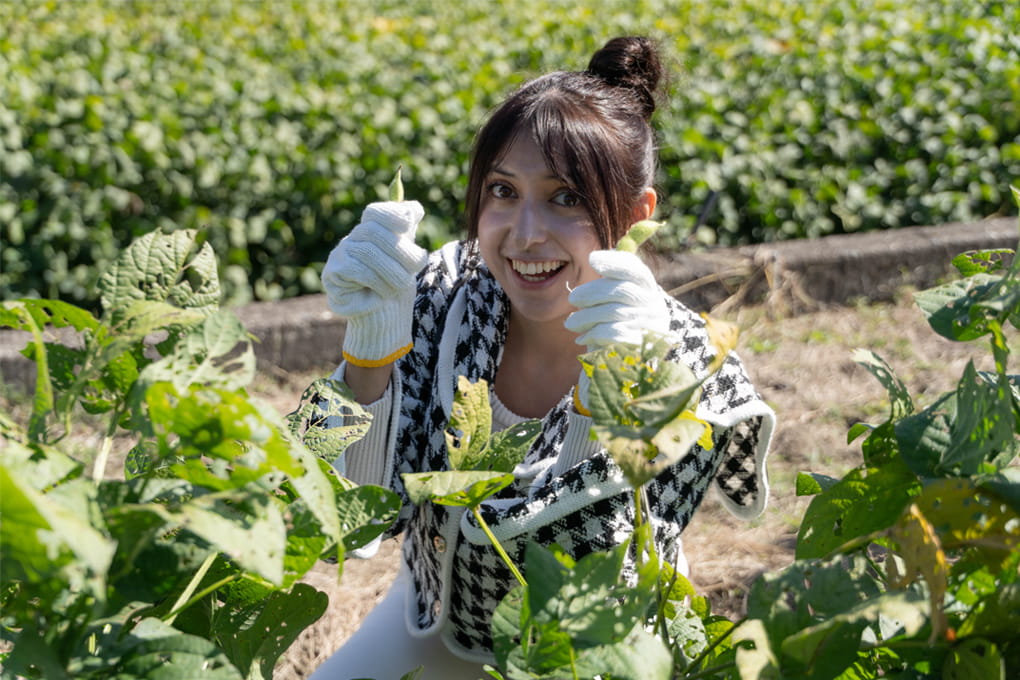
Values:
[(828, 647), (961, 430), (854, 507), (467, 435), (246, 525), (642, 407), (328, 419), (161, 267), (800, 596), (948, 307), (254, 639), (215, 353), (455, 487), (974, 659), (50, 545), (811, 483), (900, 402), (508, 447), (144, 651), (982, 261), (365, 512)]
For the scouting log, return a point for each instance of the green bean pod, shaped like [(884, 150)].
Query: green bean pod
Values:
[(397, 187), (638, 234)]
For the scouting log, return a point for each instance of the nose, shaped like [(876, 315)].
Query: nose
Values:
[(529, 225)]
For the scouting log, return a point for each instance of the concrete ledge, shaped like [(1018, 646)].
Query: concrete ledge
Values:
[(791, 276)]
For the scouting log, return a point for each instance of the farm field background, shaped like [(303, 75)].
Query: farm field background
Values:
[(269, 125)]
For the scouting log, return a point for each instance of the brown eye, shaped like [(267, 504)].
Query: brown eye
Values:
[(500, 190), (567, 199)]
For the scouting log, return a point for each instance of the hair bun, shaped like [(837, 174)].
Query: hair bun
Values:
[(630, 62)]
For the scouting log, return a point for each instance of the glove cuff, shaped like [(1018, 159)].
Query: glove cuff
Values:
[(378, 339), (581, 395)]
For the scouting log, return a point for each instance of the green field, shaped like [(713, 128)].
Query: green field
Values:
[(269, 125)]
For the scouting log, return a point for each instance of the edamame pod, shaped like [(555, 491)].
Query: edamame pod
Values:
[(638, 234), (397, 186)]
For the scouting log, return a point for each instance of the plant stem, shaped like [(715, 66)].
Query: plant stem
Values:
[(715, 643), (499, 548), (99, 467), (712, 672), (185, 599)]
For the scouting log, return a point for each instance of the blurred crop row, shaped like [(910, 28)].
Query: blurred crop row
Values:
[(269, 125)]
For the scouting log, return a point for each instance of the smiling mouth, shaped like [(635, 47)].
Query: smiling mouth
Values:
[(537, 271)]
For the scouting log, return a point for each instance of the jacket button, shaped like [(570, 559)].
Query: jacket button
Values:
[(437, 607), (439, 543)]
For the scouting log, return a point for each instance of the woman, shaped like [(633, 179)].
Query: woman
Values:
[(559, 173)]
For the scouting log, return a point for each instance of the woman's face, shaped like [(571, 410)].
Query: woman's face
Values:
[(534, 234)]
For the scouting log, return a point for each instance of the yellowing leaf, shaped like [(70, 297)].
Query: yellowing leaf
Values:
[(924, 557)]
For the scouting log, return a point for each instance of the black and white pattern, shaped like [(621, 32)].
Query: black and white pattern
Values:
[(459, 329)]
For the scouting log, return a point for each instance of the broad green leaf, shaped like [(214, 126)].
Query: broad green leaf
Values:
[(365, 512), (328, 419), (215, 353), (47, 544), (246, 525), (161, 267), (34, 656), (982, 261), (810, 483), (974, 659), (508, 447), (960, 432), (755, 658), (255, 637), (144, 651), (39, 465), (642, 407), (25, 314), (467, 435), (830, 646), (454, 487), (855, 507), (639, 656), (985, 424), (224, 426), (924, 437), (1005, 484), (899, 397), (808, 592), (948, 307), (995, 615)]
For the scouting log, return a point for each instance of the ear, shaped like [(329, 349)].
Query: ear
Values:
[(645, 206)]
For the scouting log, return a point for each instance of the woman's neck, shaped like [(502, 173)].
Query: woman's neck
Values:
[(538, 367)]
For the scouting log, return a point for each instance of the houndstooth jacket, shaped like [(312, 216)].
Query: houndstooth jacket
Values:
[(460, 322)]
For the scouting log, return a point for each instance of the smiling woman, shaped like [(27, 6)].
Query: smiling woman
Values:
[(559, 174)]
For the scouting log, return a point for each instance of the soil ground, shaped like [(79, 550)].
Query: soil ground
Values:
[(803, 366)]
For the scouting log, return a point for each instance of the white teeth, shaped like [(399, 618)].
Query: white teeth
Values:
[(533, 268)]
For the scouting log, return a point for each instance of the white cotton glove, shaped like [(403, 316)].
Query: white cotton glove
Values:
[(370, 281), (622, 306)]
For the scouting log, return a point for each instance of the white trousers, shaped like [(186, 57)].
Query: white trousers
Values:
[(383, 649)]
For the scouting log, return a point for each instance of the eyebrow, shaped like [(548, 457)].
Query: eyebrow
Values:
[(499, 169)]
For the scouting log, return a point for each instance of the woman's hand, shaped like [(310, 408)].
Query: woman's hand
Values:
[(621, 306), (370, 281)]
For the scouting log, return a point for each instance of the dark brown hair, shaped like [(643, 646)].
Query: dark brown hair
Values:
[(594, 130)]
